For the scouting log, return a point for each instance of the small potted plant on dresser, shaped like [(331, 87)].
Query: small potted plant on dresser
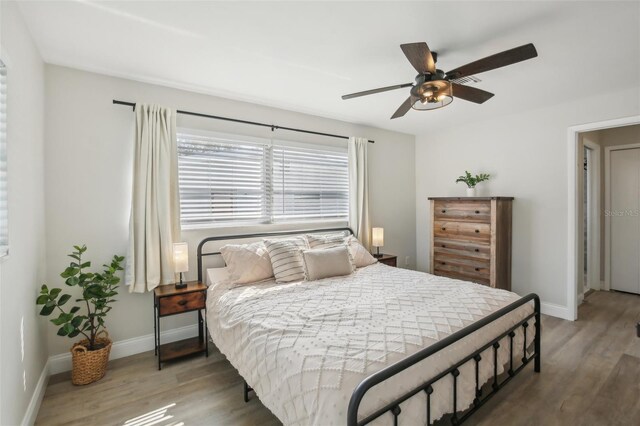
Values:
[(90, 356), (471, 181)]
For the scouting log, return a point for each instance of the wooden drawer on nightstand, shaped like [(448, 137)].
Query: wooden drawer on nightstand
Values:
[(388, 259), (181, 303)]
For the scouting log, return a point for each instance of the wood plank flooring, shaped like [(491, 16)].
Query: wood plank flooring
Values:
[(590, 376)]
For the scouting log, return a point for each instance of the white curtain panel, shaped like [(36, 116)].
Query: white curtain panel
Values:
[(359, 190), (155, 208)]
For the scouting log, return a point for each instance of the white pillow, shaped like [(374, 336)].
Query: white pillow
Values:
[(329, 262), (247, 263), (321, 241), (361, 256), (217, 276), (286, 259)]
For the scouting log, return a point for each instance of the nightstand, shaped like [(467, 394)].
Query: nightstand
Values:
[(388, 259), (167, 300)]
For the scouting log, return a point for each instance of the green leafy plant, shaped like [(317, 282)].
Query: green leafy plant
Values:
[(472, 181), (98, 291)]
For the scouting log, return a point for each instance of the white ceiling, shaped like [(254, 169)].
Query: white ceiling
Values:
[(303, 56)]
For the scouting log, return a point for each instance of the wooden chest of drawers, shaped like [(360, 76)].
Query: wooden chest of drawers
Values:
[(471, 239)]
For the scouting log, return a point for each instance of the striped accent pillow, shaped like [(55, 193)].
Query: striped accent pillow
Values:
[(323, 241), (286, 258)]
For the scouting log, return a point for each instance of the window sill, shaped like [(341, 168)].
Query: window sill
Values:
[(257, 227)]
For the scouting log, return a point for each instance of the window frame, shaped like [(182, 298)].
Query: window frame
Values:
[(269, 222)]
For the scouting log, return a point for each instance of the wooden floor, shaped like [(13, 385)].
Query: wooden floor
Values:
[(590, 376)]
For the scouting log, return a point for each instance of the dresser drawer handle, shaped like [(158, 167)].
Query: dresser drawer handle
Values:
[(477, 211), (183, 302), (444, 229), (477, 231), (477, 250), (477, 269), (444, 211), (443, 246), (444, 263)]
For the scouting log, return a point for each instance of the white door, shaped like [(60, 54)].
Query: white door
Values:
[(625, 220)]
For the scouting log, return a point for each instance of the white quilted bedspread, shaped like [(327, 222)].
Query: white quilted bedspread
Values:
[(303, 347)]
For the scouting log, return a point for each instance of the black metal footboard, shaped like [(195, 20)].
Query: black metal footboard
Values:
[(394, 407)]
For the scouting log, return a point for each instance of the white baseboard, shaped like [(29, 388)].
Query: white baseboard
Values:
[(62, 362), (558, 311), (36, 399)]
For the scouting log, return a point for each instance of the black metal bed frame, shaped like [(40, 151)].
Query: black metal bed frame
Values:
[(393, 407), (200, 254)]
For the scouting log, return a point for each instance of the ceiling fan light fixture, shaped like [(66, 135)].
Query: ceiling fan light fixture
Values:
[(435, 94)]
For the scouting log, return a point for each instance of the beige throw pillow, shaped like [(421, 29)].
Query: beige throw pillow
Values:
[(325, 263), (361, 256), (247, 263), (286, 258)]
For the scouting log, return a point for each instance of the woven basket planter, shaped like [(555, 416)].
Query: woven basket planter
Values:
[(90, 366)]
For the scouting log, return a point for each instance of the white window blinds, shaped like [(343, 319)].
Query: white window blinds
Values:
[(309, 184), (4, 210), (221, 180), (227, 180)]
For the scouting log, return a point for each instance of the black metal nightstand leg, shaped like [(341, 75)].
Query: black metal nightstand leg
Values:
[(158, 344), (206, 336), (155, 329)]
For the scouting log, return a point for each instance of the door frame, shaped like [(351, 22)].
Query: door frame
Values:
[(607, 206), (594, 212), (573, 199)]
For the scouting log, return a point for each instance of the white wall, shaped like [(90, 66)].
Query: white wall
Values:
[(88, 175), (526, 154), (24, 347)]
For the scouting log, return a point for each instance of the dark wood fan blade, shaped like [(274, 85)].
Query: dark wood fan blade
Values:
[(470, 94), (492, 62), (420, 57), (373, 91), (404, 108)]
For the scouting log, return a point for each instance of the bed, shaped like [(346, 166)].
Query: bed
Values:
[(381, 346)]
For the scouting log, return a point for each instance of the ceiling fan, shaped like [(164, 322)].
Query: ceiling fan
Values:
[(434, 88)]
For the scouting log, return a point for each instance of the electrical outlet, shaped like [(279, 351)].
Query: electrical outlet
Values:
[(406, 260)]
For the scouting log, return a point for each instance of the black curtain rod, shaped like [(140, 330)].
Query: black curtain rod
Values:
[(235, 120)]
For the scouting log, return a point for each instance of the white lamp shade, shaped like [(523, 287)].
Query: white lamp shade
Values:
[(181, 257), (377, 237)]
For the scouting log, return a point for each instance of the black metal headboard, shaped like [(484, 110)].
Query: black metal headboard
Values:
[(259, 235)]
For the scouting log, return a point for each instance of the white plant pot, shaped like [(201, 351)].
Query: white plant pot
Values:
[(471, 192)]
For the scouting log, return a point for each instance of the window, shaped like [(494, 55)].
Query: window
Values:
[(4, 210), (233, 180)]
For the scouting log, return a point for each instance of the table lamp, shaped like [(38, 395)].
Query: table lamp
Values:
[(181, 261), (377, 239)]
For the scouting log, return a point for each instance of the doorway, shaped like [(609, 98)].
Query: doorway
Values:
[(575, 247)]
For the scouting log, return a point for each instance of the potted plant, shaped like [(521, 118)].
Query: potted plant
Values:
[(472, 181), (90, 355)]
